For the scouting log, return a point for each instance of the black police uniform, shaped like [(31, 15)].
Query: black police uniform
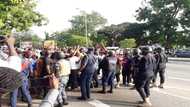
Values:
[(145, 74), (161, 60)]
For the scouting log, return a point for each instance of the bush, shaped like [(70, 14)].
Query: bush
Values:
[(128, 43)]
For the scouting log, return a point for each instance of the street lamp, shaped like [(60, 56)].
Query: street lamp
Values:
[(86, 29)]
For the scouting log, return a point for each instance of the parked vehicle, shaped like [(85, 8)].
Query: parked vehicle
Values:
[(183, 53)]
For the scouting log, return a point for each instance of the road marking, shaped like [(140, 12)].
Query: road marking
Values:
[(98, 103), (171, 94), (182, 79), (184, 89)]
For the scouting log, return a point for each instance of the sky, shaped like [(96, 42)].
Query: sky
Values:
[(59, 12)]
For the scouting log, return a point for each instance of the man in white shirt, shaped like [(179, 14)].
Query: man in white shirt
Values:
[(13, 61), (10, 77), (73, 78)]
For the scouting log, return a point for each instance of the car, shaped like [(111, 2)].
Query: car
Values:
[(183, 53)]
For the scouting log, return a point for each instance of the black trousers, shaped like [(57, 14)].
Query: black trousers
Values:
[(127, 76), (161, 74), (142, 86), (117, 75), (73, 79)]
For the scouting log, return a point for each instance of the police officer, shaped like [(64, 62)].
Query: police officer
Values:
[(161, 60), (135, 63), (109, 65), (145, 75), (87, 70)]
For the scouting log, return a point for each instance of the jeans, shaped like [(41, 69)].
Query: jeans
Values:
[(26, 93), (62, 94), (85, 82), (108, 78)]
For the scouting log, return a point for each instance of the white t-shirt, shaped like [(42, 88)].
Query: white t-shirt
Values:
[(74, 62), (13, 62)]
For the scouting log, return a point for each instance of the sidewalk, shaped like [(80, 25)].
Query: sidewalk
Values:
[(179, 59)]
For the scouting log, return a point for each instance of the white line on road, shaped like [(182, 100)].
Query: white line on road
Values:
[(184, 89), (98, 103), (182, 79), (171, 94)]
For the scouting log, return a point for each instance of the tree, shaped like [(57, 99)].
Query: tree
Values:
[(165, 18), (99, 39), (66, 38), (128, 43), (93, 20), (19, 15), (113, 32), (28, 36)]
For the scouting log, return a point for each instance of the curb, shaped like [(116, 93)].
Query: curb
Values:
[(179, 59)]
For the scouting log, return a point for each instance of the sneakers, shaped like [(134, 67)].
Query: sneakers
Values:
[(145, 104), (82, 98), (117, 86), (102, 92), (161, 86), (110, 91)]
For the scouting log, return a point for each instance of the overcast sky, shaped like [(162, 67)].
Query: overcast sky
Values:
[(59, 12)]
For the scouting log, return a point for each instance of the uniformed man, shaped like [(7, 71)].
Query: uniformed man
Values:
[(109, 65), (145, 75), (161, 60), (135, 64), (87, 70)]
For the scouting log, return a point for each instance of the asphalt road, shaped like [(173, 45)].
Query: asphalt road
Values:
[(175, 94)]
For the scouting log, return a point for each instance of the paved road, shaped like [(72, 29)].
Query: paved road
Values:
[(175, 94)]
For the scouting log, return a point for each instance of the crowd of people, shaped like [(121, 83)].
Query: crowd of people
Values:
[(80, 67)]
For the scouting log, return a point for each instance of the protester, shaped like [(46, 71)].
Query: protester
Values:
[(119, 69), (46, 70), (95, 75), (25, 72), (75, 65), (52, 94), (10, 77), (127, 69), (62, 73)]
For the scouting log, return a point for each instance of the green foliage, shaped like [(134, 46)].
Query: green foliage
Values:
[(165, 18), (93, 20), (68, 39), (28, 36), (100, 39), (19, 15), (128, 43)]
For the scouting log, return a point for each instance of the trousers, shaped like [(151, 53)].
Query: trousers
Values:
[(85, 82), (62, 85)]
